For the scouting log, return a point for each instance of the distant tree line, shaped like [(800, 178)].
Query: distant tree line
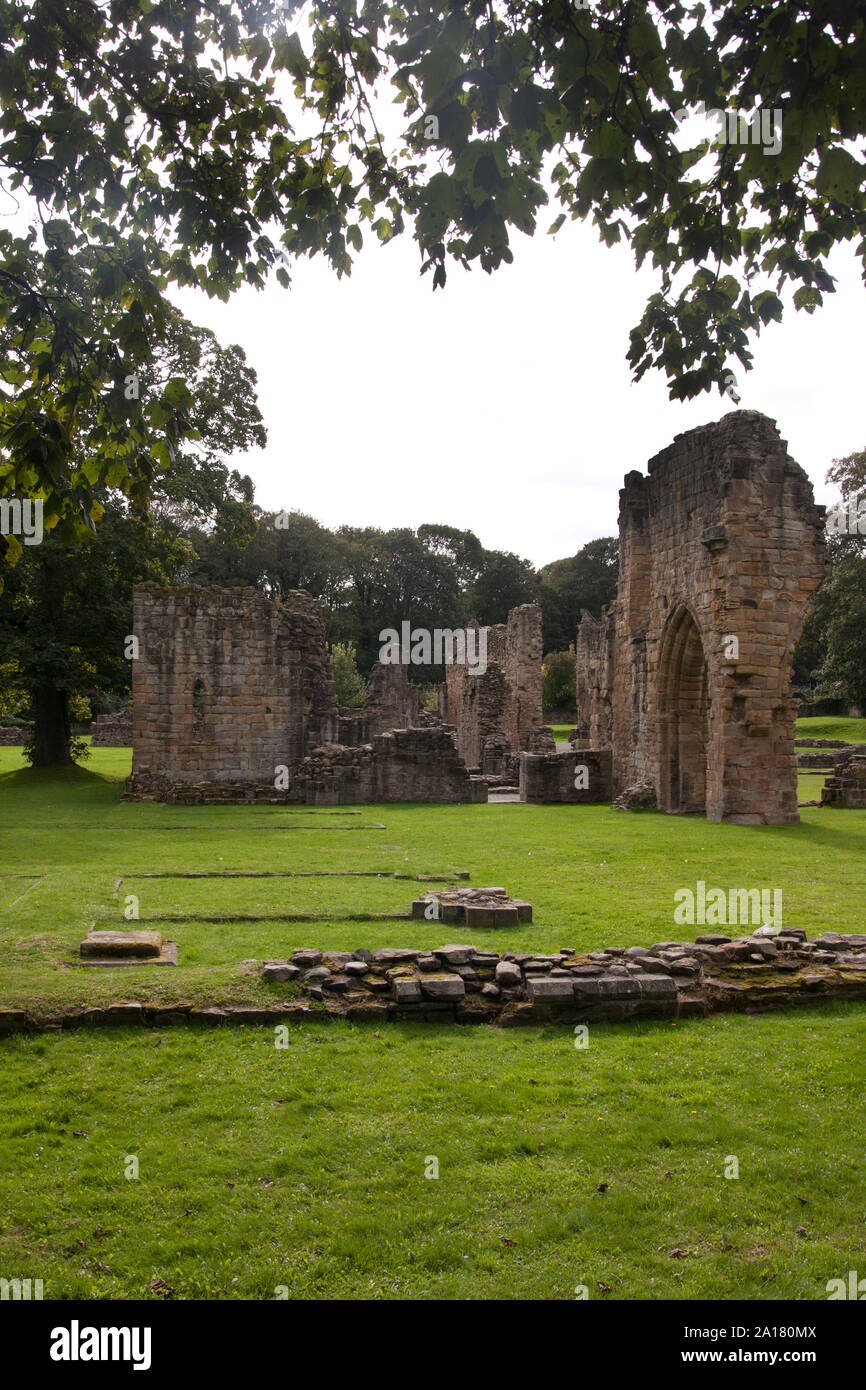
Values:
[(367, 579)]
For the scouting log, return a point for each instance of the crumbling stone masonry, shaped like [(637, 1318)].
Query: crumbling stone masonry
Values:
[(15, 735), (228, 686), (391, 701), (671, 979), (473, 907), (401, 765), (498, 714), (686, 679), (846, 786), (234, 700)]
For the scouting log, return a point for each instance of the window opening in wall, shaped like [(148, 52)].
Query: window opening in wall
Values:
[(198, 705)]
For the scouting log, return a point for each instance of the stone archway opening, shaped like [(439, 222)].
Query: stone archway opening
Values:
[(684, 717)]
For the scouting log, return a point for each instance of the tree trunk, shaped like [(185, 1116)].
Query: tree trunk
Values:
[(50, 727)]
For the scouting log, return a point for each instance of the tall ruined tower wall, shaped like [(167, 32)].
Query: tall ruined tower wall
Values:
[(721, 549)]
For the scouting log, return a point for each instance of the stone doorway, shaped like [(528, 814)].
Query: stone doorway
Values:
[(684, 717)]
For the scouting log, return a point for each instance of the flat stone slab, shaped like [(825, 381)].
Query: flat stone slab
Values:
[(657, 987), (167, 956), (121, 943), (281, 970)]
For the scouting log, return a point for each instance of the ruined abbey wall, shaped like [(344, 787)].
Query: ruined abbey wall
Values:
[(391, 701), (500, 709), (227, 687), (687, 676)]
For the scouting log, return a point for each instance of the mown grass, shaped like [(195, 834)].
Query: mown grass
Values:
[(561, 731), (304, 1168)]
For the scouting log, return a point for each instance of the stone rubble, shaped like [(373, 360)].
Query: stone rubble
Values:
[(665, 980), (474, 907), (847, 784), (463, 984)]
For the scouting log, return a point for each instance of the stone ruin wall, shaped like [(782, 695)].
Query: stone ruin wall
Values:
[(524, 648), (546, 777), (391, 701), (269, 702), (498, 714), (466, 984), (594, 668), (399, 765), (722, 538), (267, 692), (846, 786)]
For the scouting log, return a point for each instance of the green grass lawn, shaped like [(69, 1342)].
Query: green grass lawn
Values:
[(304, 1167), (835, 726), (595, 877), (823, 726)]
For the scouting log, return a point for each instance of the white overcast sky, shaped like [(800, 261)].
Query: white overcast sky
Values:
[(503, 403)]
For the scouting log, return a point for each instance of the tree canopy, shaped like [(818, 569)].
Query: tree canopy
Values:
[(162, 143)]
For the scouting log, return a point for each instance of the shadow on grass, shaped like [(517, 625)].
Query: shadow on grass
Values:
[(69, 775)]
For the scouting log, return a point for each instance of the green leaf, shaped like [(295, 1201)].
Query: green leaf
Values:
[(839, 176)]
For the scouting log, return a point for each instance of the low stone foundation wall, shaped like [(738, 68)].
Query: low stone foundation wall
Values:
[(669, 979), (546, 777), (464, 984), (16, 736), (112, 730), (825, 743), (401, 765), (153, 786)]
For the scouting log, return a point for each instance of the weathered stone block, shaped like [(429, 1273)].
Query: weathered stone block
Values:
[(123, 944), (480, 916), (279, 970), (657, 987), (442, 987), (406, 990), (547, 989)]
